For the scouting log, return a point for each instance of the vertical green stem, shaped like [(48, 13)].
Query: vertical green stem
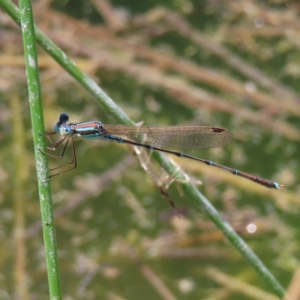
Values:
[(37, 119)]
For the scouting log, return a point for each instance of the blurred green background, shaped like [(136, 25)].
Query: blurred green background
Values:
[(219, 63)]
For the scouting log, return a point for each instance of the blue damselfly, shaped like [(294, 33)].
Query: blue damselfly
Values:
[(153, 138)]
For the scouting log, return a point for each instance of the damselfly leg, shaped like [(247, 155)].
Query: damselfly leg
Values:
[(54, 147)]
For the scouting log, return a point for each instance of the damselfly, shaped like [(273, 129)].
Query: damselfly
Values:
[(152, 138)]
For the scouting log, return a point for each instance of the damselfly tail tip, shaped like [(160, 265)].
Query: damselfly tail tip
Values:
[(280, 186)]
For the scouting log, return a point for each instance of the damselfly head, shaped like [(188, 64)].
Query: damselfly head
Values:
[(63, 119)]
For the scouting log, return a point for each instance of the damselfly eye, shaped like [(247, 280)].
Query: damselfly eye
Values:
[(63, 118)]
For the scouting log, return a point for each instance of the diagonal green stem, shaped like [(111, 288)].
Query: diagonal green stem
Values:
[(198, 199), (36, 110)]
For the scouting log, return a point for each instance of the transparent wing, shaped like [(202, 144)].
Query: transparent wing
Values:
[(174, 137)]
